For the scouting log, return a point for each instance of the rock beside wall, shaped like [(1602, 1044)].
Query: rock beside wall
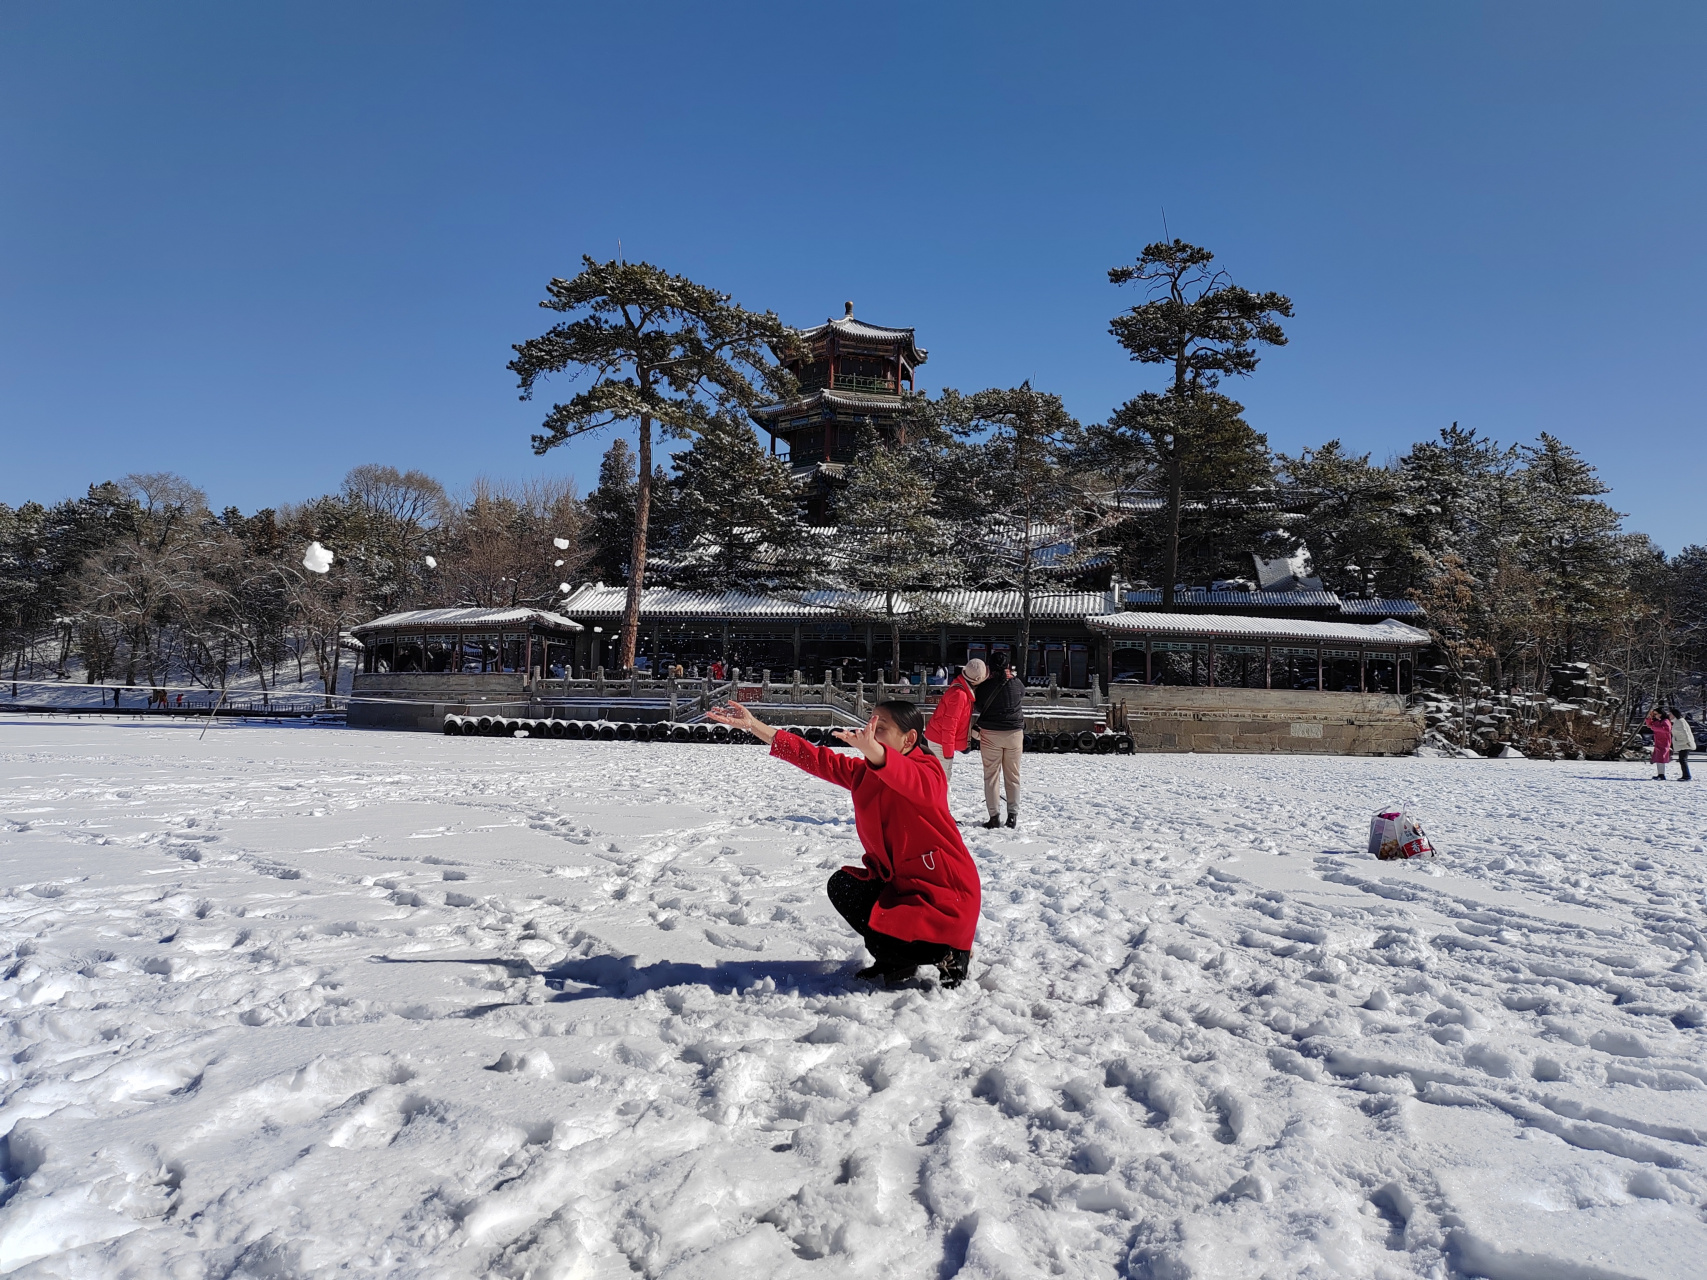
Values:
[(1266, 721)]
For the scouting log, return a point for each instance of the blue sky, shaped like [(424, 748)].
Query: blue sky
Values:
[(259, 245)]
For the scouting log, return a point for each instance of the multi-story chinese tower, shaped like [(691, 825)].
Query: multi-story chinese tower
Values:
[(852, 378)]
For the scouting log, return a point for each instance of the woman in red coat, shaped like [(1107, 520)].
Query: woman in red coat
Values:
[(915, 900), (949, 726)]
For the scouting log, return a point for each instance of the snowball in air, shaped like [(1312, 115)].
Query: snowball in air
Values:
[(564, 587), (562, 544), (558, 565), (432, 563), (316, 559)]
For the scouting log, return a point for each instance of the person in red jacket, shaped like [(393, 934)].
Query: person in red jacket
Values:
[(915, 899), (952, 719)]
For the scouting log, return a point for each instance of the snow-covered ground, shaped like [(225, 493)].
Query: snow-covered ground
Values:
[(303, 1002)]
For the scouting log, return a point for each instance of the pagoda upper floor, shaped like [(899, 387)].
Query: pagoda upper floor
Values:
[(852, 377)]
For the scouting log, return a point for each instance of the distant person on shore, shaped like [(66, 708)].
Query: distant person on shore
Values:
[(1001, 736), (916, 896), (1659, 725), (1682, 741), (952, 719)]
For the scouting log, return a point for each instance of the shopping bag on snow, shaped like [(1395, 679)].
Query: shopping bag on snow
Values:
[(1395, 835)]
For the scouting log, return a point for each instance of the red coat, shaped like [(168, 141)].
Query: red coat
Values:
[(930, 884), (952, 718)]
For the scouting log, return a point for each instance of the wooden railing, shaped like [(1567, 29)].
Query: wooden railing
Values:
[(694, 697)]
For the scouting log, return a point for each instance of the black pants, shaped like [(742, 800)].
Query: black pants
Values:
[(854, 898), (1682, 758)]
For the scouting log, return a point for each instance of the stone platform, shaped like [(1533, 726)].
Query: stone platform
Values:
[(1266, 721)]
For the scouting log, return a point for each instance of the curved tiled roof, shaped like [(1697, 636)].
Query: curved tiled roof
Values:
[(468, 617), (858, 331), (1247, 599), (1381, 608), (602, 602), (835, 399), (1237, 627)]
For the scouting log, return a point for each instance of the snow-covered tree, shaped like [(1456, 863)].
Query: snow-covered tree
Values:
[(1034, 525), (735, 520), (1214, 478), (1353, 517), (892, 544)]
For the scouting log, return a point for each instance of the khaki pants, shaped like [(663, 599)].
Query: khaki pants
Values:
[(1000, 749), (935, 749)]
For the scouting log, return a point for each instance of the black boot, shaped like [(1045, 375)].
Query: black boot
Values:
[(890, 976), (954, 968), (1013, 817), (994, 822)]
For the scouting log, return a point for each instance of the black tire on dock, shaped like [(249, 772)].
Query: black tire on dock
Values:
[(720, 733), (484, 725), (574, 730), (815, 735), (607, 733), (1086, 742), (625, 732), (556, 728), (1105, 743), (681, 733), (470, 726), (1123, 745), (539, 728), (453, 726), (702, 733)]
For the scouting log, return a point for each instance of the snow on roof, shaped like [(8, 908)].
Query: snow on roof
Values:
[(1286, 573), (600, 601), (1381, 608), (850, 330), (1234, 626), (835, 399), (1197, 597), (469, 617), (1239, 599)]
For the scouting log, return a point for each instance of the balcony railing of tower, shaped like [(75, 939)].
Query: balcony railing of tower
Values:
[(853, 382)]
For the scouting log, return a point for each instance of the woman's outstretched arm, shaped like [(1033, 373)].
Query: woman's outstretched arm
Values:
[(831, 766)]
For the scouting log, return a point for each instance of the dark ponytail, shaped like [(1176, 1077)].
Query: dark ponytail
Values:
[(905, 716)]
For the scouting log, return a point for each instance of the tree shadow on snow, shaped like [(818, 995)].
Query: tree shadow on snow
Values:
[(623, 977)]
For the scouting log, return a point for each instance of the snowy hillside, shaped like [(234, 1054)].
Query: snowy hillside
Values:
[(296, 1002)]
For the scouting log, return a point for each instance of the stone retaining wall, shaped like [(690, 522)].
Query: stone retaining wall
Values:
[(1298, 722)]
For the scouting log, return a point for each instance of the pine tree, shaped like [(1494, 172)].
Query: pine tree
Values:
[(1217, 474), (1573, 541), (892, 544), (1353, 521), (659, 350), (1036, 526), (610, 514), (1203, 326), (736, 519)]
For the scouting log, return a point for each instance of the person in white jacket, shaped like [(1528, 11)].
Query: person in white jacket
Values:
[(1682, 742)]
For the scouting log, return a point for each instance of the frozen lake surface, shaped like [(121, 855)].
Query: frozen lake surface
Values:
[(304, 1002)]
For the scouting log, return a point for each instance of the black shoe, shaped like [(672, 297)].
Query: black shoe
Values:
[(993, 823), (954, 968), (891, 977), (1013, 818)]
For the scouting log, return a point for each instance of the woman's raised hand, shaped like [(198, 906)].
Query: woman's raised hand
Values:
[(865, 741), (737, 716)]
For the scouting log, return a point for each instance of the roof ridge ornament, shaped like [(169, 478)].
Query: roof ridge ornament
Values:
[(847, 310)]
